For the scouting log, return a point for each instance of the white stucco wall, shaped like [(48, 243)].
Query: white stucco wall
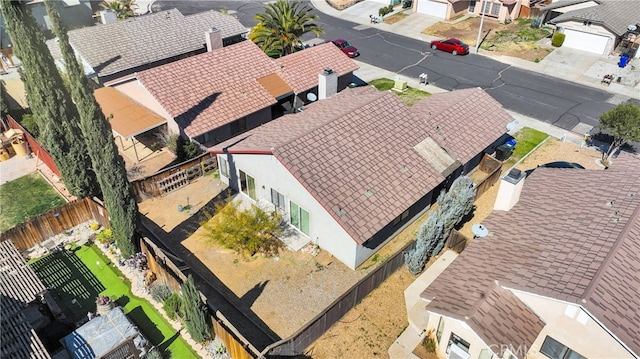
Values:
[(461, 329), (583, 5), (269, 173), (572, 327)]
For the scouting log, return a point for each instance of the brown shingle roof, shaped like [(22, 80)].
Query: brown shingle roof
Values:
[(463, 121), (573, 236), (615, 15), (126, 117), (358, 140), (301, 69), (146, 39), (209, 90)]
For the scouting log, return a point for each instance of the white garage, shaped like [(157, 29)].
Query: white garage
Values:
[(586, 41), (433, 8)]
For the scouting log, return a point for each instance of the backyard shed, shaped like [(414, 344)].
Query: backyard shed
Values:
[(104, 335)]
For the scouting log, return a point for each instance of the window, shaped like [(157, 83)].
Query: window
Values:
[(224, 166), (248, 185), (556, 350), (238, 126), (277, 199), (472, 6), (459, 342), (299, 218), (495, 9), (401, 217), (440, 329)]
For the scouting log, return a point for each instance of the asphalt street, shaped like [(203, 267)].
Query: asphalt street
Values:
[(561, 103)]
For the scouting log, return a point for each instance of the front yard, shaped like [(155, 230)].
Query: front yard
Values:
[(409, 97), (517, 39)]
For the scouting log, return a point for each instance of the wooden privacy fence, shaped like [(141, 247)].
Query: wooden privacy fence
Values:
[(40, 152), (300, 340), (174, 177), (163, 266), (57, 220), (493, 168), (457, 241)]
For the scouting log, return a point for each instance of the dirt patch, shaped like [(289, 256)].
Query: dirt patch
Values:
[(516, 39), (383, 312), (342, 4), (392, 19)]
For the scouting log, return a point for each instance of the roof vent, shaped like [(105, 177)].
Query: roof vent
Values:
[(368, 193), (340, 212), (404, 169), (328, 71), (514, 176), (610, 203)]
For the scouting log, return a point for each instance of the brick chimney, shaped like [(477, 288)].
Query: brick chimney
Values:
[(509, 191), (213, 39), (108, 17), (327, 84)]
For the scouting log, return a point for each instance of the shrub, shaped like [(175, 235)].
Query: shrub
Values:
[(196, 316), (30, 124), (385, 10), (429, 344), (104, 236), (173, 306), (558, 39), (160, 292), (154, 353)]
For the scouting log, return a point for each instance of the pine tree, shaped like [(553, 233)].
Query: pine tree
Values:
[(195, 315), (108, 165), (49, 100)]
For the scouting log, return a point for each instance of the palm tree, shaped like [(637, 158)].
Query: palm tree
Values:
[(281, 25), (123, 8)]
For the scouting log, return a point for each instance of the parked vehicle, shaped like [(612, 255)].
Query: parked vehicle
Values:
[(346, 47), (454, 46)]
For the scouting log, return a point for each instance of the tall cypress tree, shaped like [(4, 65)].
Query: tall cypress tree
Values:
[(50, 102), (196, 319), (107, 163)]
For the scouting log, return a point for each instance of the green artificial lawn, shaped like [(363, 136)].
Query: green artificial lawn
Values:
[(526, 140), (409, 97), (26, 197), (78, 278)]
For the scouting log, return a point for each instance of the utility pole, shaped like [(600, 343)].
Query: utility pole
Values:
[(482, 10)]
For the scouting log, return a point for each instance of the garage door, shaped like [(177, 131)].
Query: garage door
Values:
[(433, 8), (585, 41)]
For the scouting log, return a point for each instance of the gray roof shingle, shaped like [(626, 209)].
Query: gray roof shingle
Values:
[(146, 39), (359, 140), (615, 15), (574, 235)]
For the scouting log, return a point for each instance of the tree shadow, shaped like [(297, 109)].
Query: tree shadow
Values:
[(165, 345), (184, 119), (122, 301), (252, 294), (146, 326)]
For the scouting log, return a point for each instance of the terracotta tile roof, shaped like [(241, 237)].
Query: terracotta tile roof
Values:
[(145, 39), (301, 69), (127, 118), (464, 122), (500, 315), (615, 15), (209, 90), (359, 140), (573, 236), (19, 285)]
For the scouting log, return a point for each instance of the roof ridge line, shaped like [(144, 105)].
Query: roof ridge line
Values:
[(614, 250)]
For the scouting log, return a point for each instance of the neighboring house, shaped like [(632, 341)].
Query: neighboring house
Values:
[(502, 10), (595, 26), (557, 277), (21, 293), (214, 96), (351, 171), (73, 13), (115, 51)]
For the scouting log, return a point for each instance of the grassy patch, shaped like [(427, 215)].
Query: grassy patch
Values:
[(409, 97), (527, 139), (80, 277), (26, 197)]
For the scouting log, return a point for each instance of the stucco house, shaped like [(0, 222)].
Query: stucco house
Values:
[(502, 10), (113, 52), (214, 96), (557, 276), (350, 171), (595, 26)]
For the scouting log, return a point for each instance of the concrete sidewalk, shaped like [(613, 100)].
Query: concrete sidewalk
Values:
[(573, 65)]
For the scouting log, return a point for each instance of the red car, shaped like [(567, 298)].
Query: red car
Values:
[(346, 47), (454, 46)]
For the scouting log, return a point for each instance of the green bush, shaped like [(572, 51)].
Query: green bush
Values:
[(160, 292), (429, 344), (558, 39), (173, 306), (105, 236), (385, 10)]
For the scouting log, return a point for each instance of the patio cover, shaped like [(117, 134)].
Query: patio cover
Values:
[(102, 334), (129, 118)]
